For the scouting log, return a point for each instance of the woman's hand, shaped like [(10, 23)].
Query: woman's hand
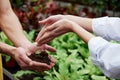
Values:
[(20, 55), (50, 20), (53, 30)]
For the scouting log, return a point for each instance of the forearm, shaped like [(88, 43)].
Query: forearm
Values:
[(4, 48), (11, 26), (86, 23), (82, 33), (4, 6)]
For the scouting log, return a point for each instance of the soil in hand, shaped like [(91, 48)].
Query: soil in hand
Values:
[(42, 57)]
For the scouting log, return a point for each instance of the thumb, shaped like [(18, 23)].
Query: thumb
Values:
[(32, 49), (44, 21)]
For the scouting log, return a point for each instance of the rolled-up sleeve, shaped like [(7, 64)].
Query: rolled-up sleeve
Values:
[(107, 27), (106, 56)]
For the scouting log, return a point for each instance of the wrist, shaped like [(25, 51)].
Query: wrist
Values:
[(73, 26), (25, 44), (12, 51), (67, 17), (17, 52), (82, 33), (32, 48)]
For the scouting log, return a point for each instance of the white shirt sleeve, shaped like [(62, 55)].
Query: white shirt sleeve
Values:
[(106, 56), (107, 27)]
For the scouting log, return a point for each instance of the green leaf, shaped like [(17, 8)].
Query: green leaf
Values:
[(61, 53), (36, 8), (76, 64), (22, 72), (83, 51), (58, 75), (95, 77), (4, 39), (63, 68), (71, 56), (84, 71), (30, 35), (37, 78), (7, 58)]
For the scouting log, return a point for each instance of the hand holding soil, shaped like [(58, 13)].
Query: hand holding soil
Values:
[(43, 57)]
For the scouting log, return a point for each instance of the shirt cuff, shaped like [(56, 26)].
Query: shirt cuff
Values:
[(96, 45), (99, 26)]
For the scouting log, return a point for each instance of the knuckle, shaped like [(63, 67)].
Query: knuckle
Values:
[(23, 67), (64, 20), (49, 67), (51, 34), (47, 29), (31, 64), (50, 17)]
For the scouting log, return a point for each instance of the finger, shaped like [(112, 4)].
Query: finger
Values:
[(32, 49), (24, 64), (45, 40), (52, 59), (38, 64), (21, 64), (48, 34), (60, 30), (51, 27), (42, 69), (49, 48), (46, 28), (26, 59), (52, 64), (40, 39), (45, 21), (40, 34)]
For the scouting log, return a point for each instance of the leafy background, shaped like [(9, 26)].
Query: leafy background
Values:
[(72, 56)]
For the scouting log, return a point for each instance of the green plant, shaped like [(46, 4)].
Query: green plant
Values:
[(30, 35)]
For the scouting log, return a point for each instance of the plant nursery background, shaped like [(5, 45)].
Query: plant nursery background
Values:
[(72, 56)]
